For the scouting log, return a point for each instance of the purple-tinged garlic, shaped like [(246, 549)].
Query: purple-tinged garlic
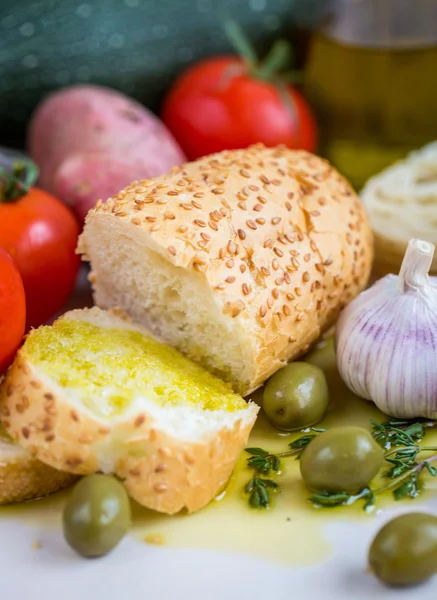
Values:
[(386, 339)]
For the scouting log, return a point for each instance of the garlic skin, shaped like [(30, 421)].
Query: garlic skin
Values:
[(386, 339)]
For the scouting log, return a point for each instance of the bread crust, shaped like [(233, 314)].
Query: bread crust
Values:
[(159, 471), (280, 237), (23, 477)]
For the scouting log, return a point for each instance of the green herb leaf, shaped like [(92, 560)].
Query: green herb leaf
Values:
[(256, 451), (302, 442)]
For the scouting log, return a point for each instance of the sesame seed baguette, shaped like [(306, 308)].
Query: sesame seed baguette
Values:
[(23, 477), (168, 457), (240, 259)]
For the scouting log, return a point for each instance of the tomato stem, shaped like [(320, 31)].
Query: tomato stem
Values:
[(16, 182)]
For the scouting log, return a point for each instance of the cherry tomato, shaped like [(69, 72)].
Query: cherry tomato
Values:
[(218, 105), (40, 234), (12, 310)]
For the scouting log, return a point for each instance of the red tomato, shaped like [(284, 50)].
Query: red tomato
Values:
[(217, 105), (12, 310), (40, 234)]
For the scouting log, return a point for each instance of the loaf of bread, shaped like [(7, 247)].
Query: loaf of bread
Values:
[(23, 477), (94, 392), (239, 259)]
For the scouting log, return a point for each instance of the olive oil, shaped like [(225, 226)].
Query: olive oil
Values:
[(291, 532), (371, 77)]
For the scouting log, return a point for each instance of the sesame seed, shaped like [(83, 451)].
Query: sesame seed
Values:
[(263, 311), (258, 207), (243, 268), (172, 250), (290, 296), (307, 257), (241, 205), (306, 277), (121, 214), (161, 201), (287, 277), (224, 212), (151, 219), (320, 268), (222, 253), (288, 206), (246, 190), (230, 263), (328, 261), (232, 247), (185, 206), (275, 264), (268, 243), (199, 266), (315, 213), (275, 293), (213, 225), (196, 204), (260, 221), (276, 220), (282, 240), (215, 215), (220, 286), (291, 339), (246, 289), (155, 227), (205, 236), (262, 199), (161, 186), (199, 223), (286, 310), (201, 244), (313, 286), (183, 229), (230, 279), (299, 317), (319, 284), (290, 195), (276, 182), (322, 201), (279, 281), (244, 173), (199, 194), (217, 191), (313, 246), (172, 193), (265, 271), (180, 183), (300, 237), (278, 251), (169, 216), (298, 291), (265, 179), (254, 188), (251, 224), (269, 302), (136, 221), (290, 237)]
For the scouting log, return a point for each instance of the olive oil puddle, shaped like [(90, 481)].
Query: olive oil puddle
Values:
[(292, 532)]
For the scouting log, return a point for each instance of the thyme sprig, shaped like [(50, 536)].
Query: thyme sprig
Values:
[(401, 440), (264, 462)]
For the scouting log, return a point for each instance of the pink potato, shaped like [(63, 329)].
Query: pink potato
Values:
[(90, 142)]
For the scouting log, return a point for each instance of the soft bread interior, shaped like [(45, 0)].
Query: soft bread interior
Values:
[(106, 366), (178, 307)]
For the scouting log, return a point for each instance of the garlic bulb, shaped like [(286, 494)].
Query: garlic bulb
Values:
[(386, 339)]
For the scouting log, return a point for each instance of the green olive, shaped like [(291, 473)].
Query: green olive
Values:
[(342, 459), (296, 396), (404, 551), (96, 516)]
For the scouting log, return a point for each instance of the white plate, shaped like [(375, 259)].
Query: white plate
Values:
[(138, 571)]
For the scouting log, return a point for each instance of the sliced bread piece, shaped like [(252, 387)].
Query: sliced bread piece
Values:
[(105, 396), (240, 259), (23, 477)]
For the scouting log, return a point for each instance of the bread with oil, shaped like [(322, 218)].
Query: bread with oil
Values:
[(23, 477), (239, 259), (102, 395)]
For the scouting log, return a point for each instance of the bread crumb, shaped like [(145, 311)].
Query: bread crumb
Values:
[(155, 538), (36, 545)]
